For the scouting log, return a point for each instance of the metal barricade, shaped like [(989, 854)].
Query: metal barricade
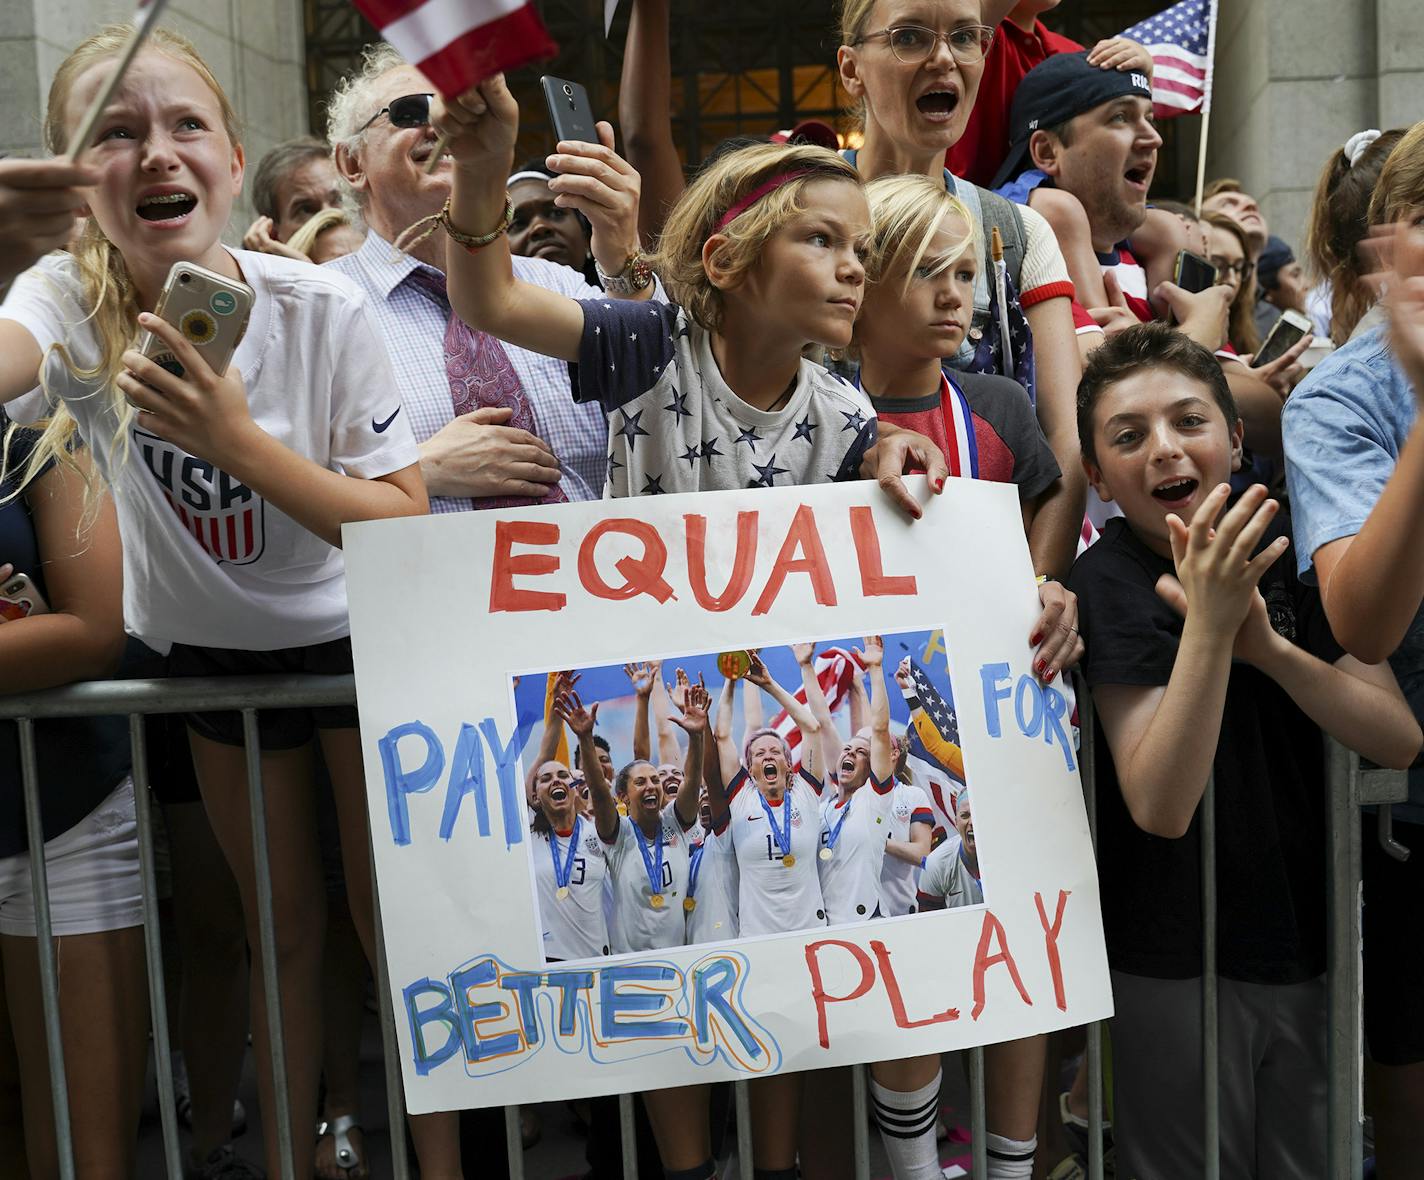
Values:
[(1348, 787)]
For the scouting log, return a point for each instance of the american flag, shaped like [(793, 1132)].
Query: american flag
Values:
[(1181, 40), (937, 780), (457, 43), (835, 669)]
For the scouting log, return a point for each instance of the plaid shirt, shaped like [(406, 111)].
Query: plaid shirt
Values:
[(414, 329)]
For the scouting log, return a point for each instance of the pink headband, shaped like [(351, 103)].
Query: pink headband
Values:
[(761, 190)]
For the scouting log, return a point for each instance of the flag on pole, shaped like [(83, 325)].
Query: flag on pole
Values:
[(457, 43), (835, 669), (1180, 40)]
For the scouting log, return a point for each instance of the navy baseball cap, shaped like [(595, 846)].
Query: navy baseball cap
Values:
[(1053, 92), (1274, 259)]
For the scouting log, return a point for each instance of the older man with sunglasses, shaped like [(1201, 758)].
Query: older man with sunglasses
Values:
[(497, 425)]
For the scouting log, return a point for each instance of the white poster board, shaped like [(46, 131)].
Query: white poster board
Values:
[(447, 610)]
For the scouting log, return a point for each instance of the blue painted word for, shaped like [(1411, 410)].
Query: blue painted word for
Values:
[(1038, 708)]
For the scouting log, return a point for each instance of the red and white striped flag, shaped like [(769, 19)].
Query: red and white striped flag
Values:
[(835, 669), (457, 43), (1181, 40)]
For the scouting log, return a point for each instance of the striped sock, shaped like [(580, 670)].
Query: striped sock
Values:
[(907, 1129), (1009, 1159)]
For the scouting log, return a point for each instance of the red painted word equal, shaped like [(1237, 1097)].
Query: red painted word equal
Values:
[(801, 552)]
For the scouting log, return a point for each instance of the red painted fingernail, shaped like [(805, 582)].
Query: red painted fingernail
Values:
[(939, 484), (1039, 667), (1035, 639)]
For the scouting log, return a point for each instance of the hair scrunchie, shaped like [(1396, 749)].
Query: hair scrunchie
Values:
[(1355, 146)]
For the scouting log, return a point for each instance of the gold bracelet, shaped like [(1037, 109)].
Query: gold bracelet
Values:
[(471, 242)]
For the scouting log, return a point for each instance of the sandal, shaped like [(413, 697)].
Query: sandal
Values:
[(348, 1159)]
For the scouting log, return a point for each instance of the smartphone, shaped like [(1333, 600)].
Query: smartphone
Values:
[(569, 109), (1284, 333), (209, 309), (1193, 272), (19, 599)]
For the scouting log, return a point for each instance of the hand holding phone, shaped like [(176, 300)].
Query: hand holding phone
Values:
[(1284, 334), (18, 597), (210, 310), (1192, 272)]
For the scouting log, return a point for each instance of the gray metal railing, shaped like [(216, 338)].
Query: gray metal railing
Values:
[(1348, 787)]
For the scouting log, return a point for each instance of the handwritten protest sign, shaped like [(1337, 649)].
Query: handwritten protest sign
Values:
[(456, 622)]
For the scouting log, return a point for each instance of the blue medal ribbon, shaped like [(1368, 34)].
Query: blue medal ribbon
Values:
[(783, 835), (652, 861), (835, 833), (562, 876), (694, 867)]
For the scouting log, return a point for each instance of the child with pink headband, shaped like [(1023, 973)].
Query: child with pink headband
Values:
[(764, 254)]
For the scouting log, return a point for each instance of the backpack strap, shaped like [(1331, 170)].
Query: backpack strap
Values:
[(997, 211)]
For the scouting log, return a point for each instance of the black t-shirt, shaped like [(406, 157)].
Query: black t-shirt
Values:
[(81, 759), (1269, 775)]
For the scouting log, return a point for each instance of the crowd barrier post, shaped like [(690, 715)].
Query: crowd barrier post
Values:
[(153, 949), (44, 945), (978, 1124), (860, 1122), (1211, 1029), (390, 1046), (743, 1098), (1088, 768)]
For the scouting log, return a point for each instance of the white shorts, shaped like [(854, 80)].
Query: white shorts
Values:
[(93, 875)]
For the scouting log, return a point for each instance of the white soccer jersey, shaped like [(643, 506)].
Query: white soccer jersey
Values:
[(947, 876), (772, 897), (637, 925), (854, 830), (899, 881), (714, 917), (574, 926), (207, 560)]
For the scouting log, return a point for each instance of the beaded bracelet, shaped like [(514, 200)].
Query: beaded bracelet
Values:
[(472, 242)]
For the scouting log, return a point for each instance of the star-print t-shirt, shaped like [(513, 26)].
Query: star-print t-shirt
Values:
[(674, 425)]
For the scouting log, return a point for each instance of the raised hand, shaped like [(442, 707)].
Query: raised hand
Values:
[(569, 709), (641, 676), (804, 652), (757, 674), (259, 237), (1399, 280), (695, 709), (1215, 570), (872, 655), (480, 126), (40, 201), (1120, 53), (903, 677), (605, 188)]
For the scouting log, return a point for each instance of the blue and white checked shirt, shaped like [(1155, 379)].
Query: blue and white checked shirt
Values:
[(414, 331)]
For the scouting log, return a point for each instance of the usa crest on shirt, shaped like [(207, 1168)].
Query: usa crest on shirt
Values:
[(225, 516)]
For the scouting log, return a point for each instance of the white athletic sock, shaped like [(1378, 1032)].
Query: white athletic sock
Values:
[(907, 1128), (1010, 1159)]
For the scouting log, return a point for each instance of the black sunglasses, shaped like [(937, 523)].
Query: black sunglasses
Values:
[(409, 110)]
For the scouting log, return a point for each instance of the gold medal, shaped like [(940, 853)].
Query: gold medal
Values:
[(689, 904), (656, 901), (826, 854), (788, 861), (562, 892)]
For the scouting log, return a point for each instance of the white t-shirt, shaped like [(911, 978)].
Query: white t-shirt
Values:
[(714, 917), (773, 898), (573, 926), (206, 560), (637, 925), (947, 876), (898, 880), (859, 824)]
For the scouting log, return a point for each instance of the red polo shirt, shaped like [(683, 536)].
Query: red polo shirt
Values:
[(985, 142)]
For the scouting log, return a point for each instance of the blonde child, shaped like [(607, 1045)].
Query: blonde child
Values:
[(231, 488)]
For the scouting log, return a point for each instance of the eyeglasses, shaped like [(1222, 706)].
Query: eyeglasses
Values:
[(912, 44), (1241, 268), (409, 110)]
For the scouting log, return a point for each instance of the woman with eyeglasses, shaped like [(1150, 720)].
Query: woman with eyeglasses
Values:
[(1227, 251)]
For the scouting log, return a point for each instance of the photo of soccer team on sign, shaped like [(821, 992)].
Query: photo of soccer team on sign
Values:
[(846, 802)]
